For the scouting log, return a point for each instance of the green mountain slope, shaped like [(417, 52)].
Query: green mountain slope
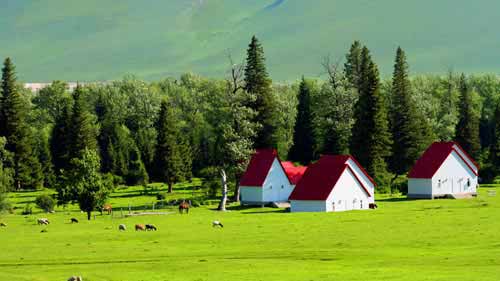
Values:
[(106, 39)]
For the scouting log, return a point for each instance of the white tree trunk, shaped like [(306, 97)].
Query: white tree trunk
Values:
[(223, 200)]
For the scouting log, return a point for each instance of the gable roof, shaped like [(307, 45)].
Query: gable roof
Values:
[(432, 159), (259, 167), (294, 173), (321, 177)]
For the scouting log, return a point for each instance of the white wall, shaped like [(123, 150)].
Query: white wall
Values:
[(364, 179), (421, 188), (307, 206), (347, 194), (251, 194), (452, 177), (277, 187)]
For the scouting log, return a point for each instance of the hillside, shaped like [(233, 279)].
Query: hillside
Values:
[(105, 39)]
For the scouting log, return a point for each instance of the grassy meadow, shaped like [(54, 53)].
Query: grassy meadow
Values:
[(402, 240)]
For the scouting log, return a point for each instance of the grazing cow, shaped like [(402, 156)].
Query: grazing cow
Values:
[(73, 220), (217, 223), (184, 206), (75, 278), (2, 224), (373, 206), (122, 227), (107, 208), (150, 227), (43, 221), (140, 227)]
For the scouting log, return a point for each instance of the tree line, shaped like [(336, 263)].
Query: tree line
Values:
[(133, 132)]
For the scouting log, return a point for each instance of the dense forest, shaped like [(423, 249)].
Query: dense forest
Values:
[(85, 142)]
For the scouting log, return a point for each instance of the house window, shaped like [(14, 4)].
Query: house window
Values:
[(468, 182), (282, 187), (361, 203), (270, 187), (340, 202), (439, 183)]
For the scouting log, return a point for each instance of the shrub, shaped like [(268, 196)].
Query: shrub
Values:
[(27, 210), (161, 196), (45, 202)]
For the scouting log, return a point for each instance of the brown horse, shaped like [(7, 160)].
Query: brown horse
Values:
[(107, 208), (184, 206), (140, 227)]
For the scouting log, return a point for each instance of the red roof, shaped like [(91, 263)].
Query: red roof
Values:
[(428, 164), (259, 167), (320, 178), (294, 173)]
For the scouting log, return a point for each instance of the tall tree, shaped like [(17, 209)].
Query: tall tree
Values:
[(81, 133), (258, 83), (371, 139), (5, 175), (352, 66), (409, 128), (303, 138), (13, 126), (467, 130), (495, 146), (87, 185), (168, 159), (59, 141)]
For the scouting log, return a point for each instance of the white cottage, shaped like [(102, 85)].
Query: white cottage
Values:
[(334, 183), (265, 180), (444, 169)]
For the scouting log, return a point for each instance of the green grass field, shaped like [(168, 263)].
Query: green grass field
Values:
[(402, 240), (105, 39)]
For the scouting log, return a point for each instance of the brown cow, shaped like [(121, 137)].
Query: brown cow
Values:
[(184, 206), (107, 208), (140, 227)]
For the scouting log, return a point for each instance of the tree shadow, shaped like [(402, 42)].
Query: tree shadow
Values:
[(398, 199)]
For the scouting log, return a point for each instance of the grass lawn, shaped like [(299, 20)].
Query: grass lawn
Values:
[(402, 240)]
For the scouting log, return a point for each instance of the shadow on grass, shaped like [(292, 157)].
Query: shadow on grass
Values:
[(398, 199), (276, 211)]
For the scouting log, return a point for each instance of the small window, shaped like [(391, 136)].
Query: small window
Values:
[(340, 202), (439, 183), (468, 182), (270, 187), (361, 203), (282, 187)]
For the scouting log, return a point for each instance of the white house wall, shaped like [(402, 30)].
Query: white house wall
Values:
[(347, 194), (466, 158), (251, 194), (307, 206), (363, 178), (453, 177), (420, 188), (277, 187)]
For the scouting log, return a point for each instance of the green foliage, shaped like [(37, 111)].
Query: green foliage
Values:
[(410, 132), (371, 140), (352, 66), (45, 202), (60, 142), (168, 160), (85, 183), (467, 131), (136, 173), (258, 83), (302, 150), (13, 126), (28, 210)]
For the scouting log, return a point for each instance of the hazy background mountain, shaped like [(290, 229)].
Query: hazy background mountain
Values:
[(106, 39)]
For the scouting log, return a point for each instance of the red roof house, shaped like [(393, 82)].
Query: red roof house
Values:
[(294, 173), (444, 169), (265, 179), (334, 183)]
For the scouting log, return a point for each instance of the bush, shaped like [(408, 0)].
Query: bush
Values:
[(27, 210), (45, 202), (161, 196)]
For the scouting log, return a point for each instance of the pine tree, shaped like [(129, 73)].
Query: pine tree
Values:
[(168, 161), (13, 126), (495, 146), (81, 132), (257, 82), (352, 67), (467, 130), (136, 170), (302, 149), (371, 139), (59, 141), (409, 128)]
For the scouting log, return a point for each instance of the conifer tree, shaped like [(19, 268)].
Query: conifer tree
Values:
[(136, 170), (13, 126), (409, 129), (371, 139), (467, 130), (302, 150), (59, 141), (495, 146), (257, 82), (81, 132), (352, 67), (168, 161)]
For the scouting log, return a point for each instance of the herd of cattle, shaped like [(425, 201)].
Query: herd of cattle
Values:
[(121, 227)]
